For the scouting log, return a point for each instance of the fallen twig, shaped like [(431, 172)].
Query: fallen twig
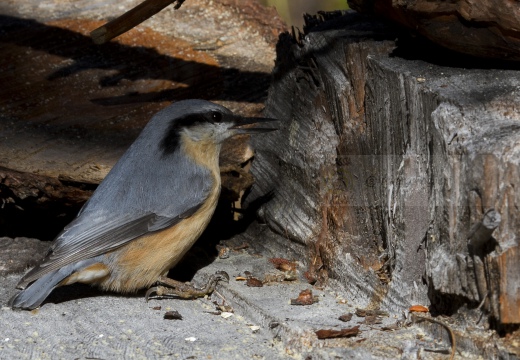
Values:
[(444, 325), (131, 19)]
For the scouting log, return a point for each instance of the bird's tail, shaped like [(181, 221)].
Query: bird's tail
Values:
[(37, 292), (32, 296)]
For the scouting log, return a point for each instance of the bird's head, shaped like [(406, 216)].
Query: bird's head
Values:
[(201, 120)]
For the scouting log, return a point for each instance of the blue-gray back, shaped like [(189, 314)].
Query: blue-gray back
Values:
[(145, 191)]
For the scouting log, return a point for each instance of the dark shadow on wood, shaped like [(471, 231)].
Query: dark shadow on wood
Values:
[(132, 63), (412, 47)]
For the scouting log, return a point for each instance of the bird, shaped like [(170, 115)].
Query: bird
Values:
[(147, 212)]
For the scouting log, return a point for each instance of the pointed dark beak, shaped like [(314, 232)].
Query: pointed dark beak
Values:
[(253, 125)]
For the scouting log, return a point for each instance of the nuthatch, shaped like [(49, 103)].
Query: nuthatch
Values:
[(148, 211)]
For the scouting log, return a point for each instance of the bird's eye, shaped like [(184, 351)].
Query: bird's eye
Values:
[(216, 117)]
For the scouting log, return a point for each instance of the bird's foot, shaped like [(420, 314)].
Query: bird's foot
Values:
[(174, 288)]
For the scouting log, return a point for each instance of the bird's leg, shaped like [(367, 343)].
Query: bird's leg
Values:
[(185, 290)]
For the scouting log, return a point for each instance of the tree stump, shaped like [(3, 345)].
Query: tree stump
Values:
[(386, 166)]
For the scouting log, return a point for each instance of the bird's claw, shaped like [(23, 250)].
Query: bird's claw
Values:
[(150, 291), (185, 290)]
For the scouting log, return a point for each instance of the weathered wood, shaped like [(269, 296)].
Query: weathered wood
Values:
[(17, 255), (509, 277), (484, 28), (42, 188), (70, 108), (481, 232), (383, 164)]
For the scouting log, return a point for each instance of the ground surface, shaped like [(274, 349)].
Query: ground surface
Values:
[(81, 322)]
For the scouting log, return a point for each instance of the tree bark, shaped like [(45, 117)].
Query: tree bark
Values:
[(384, 164)]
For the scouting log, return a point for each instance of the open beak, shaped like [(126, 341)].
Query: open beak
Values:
[(252, 125)]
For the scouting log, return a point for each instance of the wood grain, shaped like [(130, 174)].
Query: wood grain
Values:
[(483, 28), (385, 162)]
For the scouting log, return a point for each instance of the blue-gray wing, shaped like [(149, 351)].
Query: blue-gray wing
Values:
[(123, 209)]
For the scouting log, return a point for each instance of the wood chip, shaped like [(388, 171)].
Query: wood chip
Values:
[(283, 264), (254, 282), (331, 333), (305, 298), (172, 315), (346, 317)]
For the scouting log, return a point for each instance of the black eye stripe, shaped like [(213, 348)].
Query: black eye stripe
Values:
[(170, 142), (171, 139)]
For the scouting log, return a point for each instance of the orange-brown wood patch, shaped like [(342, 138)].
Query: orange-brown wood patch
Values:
[(70, 108), (509, 265)]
